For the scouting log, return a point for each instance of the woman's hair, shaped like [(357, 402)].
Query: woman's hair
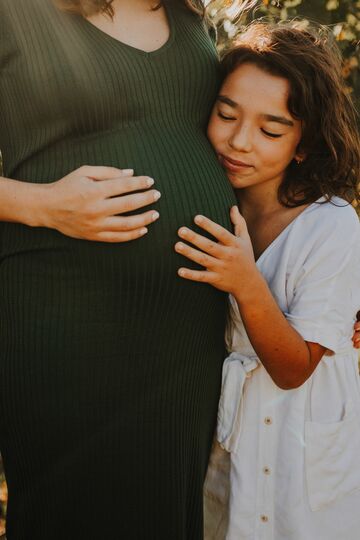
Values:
[(91, 7), (311, 62)]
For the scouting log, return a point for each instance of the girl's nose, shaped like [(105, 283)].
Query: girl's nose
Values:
[(240, 139)]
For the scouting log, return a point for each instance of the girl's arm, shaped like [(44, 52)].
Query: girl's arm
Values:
[(84, 204), (230, 266), (286, 356)]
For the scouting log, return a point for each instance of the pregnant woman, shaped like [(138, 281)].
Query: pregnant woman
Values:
[(110, 364)]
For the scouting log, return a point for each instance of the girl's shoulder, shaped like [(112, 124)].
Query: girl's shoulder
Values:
[(325, 233), (336, 207), (329, 217)]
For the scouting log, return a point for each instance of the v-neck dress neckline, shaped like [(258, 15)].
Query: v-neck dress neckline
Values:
[(107, 37)]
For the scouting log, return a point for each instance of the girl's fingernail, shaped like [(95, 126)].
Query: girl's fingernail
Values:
[(183, 232), (157, 195), (199, 219), (143, 231), (128, 171), (150, 182), (155, 216), (179, 246), (181, 273)]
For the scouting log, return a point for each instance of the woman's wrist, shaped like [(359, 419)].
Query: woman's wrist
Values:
[(40, 206), (33, 210), (23, 202)]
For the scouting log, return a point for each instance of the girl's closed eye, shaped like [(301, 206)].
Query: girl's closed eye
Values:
[(225, 116), (270, 134)]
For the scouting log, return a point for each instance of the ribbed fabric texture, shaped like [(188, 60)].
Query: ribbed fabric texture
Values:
[(110, 364)]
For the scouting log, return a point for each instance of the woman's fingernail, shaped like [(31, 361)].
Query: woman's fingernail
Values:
[(199, 219), (183, 232), (157, 195), (181, 272), (128, 171), (155, 216), (143, 231), (179, 246), (150, 182)]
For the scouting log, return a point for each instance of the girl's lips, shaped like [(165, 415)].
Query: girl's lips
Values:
[(234, 166)]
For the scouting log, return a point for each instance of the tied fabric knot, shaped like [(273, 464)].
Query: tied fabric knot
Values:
[(236, 369)]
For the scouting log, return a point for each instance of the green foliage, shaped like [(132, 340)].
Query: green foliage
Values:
[(342, 16)]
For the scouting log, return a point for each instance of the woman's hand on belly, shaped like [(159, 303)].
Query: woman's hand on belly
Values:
[(88, 203)]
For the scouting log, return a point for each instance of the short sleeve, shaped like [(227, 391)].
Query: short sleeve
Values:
[(211, 30), (325, 286), (213, 34)]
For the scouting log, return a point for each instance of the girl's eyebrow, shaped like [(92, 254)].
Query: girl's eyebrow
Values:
[(228, 101), (269, 117)]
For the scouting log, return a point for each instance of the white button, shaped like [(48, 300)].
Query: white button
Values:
[(268, 420), (264, 519)]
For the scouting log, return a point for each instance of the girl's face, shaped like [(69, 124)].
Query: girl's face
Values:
[(251, 129)]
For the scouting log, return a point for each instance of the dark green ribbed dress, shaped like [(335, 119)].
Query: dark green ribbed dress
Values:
[(110, 365)]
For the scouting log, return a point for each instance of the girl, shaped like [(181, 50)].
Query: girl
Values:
[(98, 380), (289, 415)]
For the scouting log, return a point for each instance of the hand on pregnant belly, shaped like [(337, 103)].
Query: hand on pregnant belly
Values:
[(229, 263), (88, 203)]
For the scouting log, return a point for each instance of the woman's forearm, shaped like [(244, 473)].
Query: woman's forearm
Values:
[(22, 202), (86, 204), (288, 359)]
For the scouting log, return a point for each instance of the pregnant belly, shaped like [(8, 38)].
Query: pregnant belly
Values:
[(184, 168), (116, 315)]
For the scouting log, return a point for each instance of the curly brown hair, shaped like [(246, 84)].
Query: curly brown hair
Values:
[(310, 60)]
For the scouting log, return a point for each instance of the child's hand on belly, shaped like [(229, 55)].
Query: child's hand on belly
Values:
[(229, 261)]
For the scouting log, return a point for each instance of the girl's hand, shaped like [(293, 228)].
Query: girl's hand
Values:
[(88, 204), (229, 262)]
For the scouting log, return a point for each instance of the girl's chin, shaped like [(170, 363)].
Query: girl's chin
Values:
[(238, 182)]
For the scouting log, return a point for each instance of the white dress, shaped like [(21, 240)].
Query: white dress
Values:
[(293, 456)]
